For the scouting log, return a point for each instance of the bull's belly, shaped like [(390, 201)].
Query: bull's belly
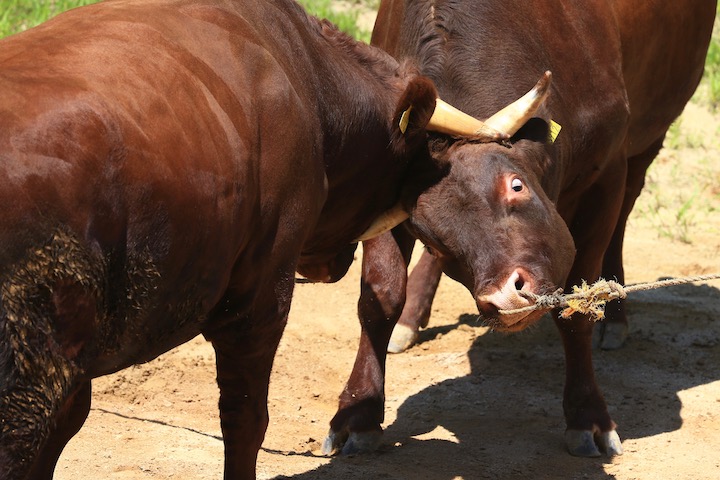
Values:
[(139, 346)]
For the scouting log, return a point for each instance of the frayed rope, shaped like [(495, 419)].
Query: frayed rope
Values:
[(591, 299)]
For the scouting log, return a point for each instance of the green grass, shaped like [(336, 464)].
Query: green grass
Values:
[(681, 198), (19, 15), (673, 218), (345, 20), (679, 137), (711, 77)]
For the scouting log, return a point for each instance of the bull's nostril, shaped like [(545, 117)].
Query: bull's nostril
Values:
[(488, 310), (519, 280)]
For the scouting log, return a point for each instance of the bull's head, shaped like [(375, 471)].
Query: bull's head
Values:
[(489, 218)]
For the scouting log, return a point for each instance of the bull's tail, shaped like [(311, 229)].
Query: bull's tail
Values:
[(49, 304)]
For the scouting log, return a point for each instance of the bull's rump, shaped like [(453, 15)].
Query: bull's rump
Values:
[(139, 130)]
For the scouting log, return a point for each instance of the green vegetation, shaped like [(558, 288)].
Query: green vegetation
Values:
[(680, 137), (345, 19), (711, 79), (19, 15), (681, 198), (672, 216), (710, 86)]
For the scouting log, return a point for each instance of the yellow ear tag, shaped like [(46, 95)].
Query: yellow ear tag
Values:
[(554, 131), (405, 119)]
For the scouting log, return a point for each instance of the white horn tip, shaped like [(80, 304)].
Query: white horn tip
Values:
[(385, 222), (544, 83)]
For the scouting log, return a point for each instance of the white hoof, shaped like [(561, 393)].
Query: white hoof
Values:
[(402, 338), (609, 442), (332, 444), (355, 443), (583, 443)]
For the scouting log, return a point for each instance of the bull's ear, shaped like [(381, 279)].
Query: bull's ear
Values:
[(412, 114), (536, 130)]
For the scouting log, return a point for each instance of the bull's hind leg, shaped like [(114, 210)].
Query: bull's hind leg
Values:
[(422, 285), (244, 350), (356, 425), (611, 333), (69, 419)]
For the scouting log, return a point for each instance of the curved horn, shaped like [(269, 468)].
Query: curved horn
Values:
[(386, 221), (449, 120), (511, 118)]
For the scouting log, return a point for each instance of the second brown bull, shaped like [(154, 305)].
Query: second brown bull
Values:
[(622, 72)]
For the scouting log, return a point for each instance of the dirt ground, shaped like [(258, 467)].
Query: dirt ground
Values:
[(465, 403)]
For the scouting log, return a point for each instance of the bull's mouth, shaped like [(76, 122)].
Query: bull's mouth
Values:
[(511, 323)]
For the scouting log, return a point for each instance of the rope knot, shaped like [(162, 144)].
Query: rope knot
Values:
[(545, 302), (591, 299)]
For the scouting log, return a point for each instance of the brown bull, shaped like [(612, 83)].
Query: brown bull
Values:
[(623, 71), (165, 168)]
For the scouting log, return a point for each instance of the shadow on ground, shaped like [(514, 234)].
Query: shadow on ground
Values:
[(504, 419)]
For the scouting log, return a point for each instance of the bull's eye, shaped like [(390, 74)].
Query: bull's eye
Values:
[(516, 185)]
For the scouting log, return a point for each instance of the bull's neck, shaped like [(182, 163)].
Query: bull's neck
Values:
[(358, 88), (357, 98)]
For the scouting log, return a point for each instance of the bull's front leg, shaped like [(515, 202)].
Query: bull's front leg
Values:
[(590, 429), (356, 426)]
